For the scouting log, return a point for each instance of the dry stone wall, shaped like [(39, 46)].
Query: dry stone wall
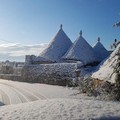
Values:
[(57, 73)]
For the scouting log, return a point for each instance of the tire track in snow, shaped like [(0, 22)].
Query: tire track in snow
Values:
[(35, 93), (5, 98), (14, 96), (29, 96), (26, 91), (22, 97), (23, 94)]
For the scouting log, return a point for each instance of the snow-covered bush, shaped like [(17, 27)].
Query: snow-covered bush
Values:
[(104, 90), (87, 86), (107, 70), (117, 80), (6, 69), (117, 69)]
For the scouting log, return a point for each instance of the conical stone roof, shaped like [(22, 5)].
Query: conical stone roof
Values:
[(81, 51), (57, 47), (100, 50)]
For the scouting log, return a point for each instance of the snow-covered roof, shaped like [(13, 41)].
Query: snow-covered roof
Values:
[(106, 70), (100, 50), (81, 50), (57, 47)]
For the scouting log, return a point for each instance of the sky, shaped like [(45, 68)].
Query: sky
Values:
[(27, 26)]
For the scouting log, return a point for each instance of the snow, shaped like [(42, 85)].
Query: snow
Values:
[(61, 109), (55, 103), (82, 51), (58, 46), (105, 71), (19, 92), (100, 50)]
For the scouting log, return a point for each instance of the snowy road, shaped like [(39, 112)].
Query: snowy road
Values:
[(13, 92), (10, 94)]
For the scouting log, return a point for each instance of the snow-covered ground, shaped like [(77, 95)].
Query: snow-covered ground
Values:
[(62, 109), (48, 102)]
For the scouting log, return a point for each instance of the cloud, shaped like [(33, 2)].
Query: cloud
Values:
[(16, 52)]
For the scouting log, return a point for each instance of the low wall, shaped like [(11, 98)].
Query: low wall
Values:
[(56, 74), (11, 77), (10, 73)]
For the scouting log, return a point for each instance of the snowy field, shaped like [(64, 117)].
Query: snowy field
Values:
[(26, 101)]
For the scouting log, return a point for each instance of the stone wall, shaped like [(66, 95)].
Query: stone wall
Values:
[(57, 73), (13, 77)]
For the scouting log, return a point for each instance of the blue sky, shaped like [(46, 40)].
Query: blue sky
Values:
[(35, 22)]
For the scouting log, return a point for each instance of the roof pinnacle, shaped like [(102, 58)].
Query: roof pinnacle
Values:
[(98, 39), (61, 26), (80, 33)]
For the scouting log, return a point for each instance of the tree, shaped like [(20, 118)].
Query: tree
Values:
[(116, 24), (116, 42)]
